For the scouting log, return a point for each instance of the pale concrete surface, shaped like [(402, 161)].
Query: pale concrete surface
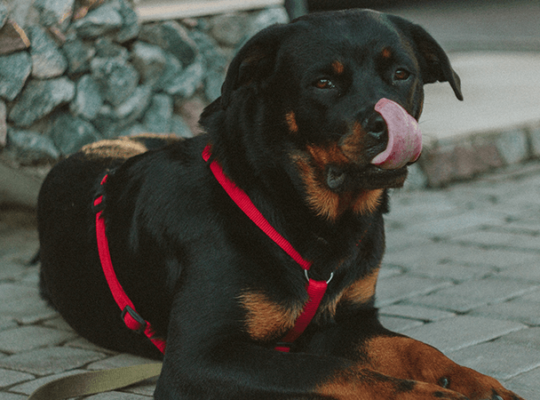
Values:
[(501, 91)]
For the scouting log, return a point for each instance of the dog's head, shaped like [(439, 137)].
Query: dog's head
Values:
[(302, 98)]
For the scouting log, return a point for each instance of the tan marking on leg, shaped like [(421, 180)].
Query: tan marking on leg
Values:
[(406, 358), (265, 319)]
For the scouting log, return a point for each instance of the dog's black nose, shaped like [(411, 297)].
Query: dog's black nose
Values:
[(376, 127)]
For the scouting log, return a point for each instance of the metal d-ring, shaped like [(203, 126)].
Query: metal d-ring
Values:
[(327, 282)]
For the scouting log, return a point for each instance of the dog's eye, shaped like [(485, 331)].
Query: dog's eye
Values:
[(324, 84), (401, 74)]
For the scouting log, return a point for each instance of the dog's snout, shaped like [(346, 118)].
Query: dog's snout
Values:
[(376, 127)]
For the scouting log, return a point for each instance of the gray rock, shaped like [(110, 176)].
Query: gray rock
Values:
[(111, 121), (78, 55), (186, 84), (172, 69), (3, 14), (214, 81), (31, 147), (47, 60), (179, 127), (209, 50), (14, 70), (116, 78), (3, 124), (134, 107), (150, 61), (172, 37), (134, 130), (70, 133), (130, 23), (100, 21), (266, 18), (158, 116), (88, 100), (54, 12), (39, 98), (106, 48), (229, 29)]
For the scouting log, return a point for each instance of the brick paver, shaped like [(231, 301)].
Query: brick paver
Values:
[(462, 272)]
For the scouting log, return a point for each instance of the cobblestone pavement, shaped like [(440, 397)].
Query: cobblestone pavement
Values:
[(462, 272)]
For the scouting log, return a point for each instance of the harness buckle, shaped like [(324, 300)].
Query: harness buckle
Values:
[(138, 324), (327, 282)]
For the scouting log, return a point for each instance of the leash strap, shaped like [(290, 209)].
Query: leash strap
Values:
[(95, 382), (315, 289), (130, 317)]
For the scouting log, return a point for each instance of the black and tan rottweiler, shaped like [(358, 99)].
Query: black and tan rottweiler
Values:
[(296, 130)]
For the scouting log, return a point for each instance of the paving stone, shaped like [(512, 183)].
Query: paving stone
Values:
[(473, 294), (7, 323), (31, 337), (451, 334), (118, 361), (453, 272), (457, 225), (427, 254), (27, 311), (415, 312), (400, 287), (9, 378), (527, 382), (396, 324), (51, 360), (529, 338), (518, 310), (10, 396), (500, 240), (500, 360), (29, 387)]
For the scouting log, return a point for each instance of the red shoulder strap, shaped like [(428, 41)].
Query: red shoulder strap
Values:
[(132, 320), (315, 289)]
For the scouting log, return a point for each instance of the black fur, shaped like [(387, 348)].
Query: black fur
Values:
[(188, 257)]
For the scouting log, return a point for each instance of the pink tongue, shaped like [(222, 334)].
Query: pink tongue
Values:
[(404, 136)]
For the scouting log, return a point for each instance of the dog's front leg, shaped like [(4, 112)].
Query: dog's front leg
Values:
[(210, 355), (406, 358), (246, 371)]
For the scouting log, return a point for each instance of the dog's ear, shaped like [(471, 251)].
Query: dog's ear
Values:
[(434, 61), (255, 60)]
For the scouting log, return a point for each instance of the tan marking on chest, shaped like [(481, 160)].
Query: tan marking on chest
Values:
[(362, 290), (266, 319)]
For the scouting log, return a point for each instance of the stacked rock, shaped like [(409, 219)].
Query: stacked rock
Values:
[(77, 71)]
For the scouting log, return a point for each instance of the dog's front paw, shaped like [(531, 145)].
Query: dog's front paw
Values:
[(476, 386)]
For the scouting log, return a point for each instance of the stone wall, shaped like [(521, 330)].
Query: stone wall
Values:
[(76, 71)]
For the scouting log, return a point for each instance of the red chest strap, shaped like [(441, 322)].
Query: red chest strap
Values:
[(315, 289), (130, 317)]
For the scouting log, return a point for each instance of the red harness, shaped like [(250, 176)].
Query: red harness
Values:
[(315, 289)]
